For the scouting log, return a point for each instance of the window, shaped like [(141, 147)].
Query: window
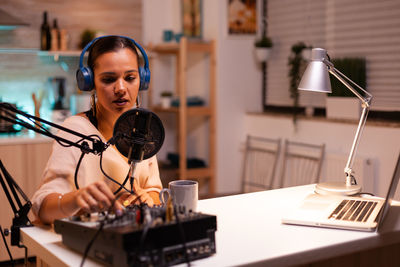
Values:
[(345, 28)]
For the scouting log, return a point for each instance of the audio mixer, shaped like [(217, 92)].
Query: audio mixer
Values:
[(143, 236)]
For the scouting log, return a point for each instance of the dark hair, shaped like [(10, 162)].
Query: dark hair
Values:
[(109, 44)]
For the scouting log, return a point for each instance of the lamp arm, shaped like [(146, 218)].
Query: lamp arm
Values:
[(348, 169), (350, 180), (341, 77)]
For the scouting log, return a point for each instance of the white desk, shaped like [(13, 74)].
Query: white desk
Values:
[(250, 233)]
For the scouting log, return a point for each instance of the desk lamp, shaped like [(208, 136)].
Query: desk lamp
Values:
[(316, 79)]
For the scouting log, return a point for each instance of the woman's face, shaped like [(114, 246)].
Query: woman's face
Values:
[(116, 79)]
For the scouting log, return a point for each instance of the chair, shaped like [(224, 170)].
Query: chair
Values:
[(301, 163), (260, 161)]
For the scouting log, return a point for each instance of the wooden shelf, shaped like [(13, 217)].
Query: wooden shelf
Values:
[(199, 173), (69, 53), (19, 51), (181, 51), (191, 111), (193, 173), (175, 48)]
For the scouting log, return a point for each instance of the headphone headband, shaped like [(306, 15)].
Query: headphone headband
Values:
[(85, 77)]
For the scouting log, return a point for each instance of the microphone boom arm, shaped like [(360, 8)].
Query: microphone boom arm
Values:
[(97, 145), (21, 211)]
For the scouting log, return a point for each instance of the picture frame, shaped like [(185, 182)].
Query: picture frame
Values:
[(192, 18), (242, 18)]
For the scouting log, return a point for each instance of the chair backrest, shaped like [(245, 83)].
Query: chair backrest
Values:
[(301, 163), (260, 161)]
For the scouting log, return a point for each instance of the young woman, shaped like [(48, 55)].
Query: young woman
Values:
[(115, 65)]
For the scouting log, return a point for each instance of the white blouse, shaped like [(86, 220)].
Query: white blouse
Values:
[(59, 173)]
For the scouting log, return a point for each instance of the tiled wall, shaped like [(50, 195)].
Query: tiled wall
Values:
[(22, 74)]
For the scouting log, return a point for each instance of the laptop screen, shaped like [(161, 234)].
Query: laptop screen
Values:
[(391, 192)]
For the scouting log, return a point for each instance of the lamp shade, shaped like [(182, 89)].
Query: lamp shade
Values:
[(316, 76)]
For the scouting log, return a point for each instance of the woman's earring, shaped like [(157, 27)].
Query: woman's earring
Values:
[(138, 101), (93, 103)]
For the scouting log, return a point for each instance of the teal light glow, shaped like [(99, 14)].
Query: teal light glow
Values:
[(7, 27), (25, 71), (20, 93)]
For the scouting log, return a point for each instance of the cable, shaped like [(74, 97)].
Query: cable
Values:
[(33, 123), (38, 125), (44, 130), (80, 160), (147, 223), (89, 245), (51, 135), (366, 193), (102, 223), (124, 183), (108, 177), (8, 249), (182, 234), (77, 169)]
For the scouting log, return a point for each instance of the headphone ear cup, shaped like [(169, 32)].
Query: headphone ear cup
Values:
[(144, 74), (84, 78)]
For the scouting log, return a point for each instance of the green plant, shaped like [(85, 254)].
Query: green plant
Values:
[(87, 36), (166, 94), (265, 42), (353, 68), (297, 65)]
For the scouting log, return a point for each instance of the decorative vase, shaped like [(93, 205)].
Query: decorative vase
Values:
[(309, 111), (166, 101), (262, 53)]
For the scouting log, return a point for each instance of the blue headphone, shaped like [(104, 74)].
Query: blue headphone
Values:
[(84, 75)]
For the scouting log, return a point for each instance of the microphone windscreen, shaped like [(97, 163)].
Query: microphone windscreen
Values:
[(138, 134)]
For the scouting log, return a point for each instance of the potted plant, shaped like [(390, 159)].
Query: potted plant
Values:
[(262, 48), (86, 37), (297, 66), (166, 98), (342, 103)]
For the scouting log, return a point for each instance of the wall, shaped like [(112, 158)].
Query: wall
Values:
[(357, 28), (379, 143), (107, 16), (238, 79), (22, 74)]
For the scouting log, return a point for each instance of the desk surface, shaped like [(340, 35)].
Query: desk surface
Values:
[(250, 232)]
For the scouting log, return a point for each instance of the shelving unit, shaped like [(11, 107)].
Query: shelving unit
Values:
[(67, 53), (183, 113), (36, 52)]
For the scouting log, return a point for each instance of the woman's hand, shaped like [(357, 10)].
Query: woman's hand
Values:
[(140, 196), (92, 198), (130, 199), (96, 197)]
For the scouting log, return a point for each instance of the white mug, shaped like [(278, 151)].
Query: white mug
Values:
[(184, 195)]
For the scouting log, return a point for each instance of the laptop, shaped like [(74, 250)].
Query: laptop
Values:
[(344, 212)]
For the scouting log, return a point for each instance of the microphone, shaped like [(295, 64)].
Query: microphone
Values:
[(138, 135)]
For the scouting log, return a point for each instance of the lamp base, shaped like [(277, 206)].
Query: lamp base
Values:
[(337, 188)]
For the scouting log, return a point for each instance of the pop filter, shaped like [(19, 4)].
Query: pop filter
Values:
[(138, 134)]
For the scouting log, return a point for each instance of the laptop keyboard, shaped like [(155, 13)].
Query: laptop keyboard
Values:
[(353, 210)]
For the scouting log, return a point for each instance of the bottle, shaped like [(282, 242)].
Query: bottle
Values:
[(60, 112), (55, 36), (45, 36), (63, 40)]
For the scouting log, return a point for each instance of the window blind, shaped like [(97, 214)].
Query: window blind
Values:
[(346, 28)]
